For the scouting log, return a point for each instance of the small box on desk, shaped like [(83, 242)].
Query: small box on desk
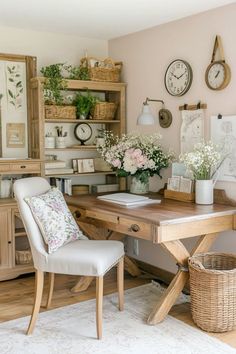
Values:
[(103, 188), (181, 196)]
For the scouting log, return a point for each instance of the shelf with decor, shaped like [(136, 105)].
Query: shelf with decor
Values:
[(91, 121), (96, 173), (45, 124)]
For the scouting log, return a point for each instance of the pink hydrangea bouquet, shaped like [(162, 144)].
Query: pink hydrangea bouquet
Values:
[(136, 155)]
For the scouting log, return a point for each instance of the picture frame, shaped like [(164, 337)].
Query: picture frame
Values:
[(15, 105), (85, 165), (15, 135)]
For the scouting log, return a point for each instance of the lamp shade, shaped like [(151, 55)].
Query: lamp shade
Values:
[(146, 117)]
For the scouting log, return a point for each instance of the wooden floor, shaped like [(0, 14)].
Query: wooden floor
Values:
[(16, 298)]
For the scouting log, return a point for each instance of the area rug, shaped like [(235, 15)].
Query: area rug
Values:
[(72, 330)]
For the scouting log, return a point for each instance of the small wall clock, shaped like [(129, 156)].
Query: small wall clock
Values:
[(218, 72), (178, 77), (83, 132)]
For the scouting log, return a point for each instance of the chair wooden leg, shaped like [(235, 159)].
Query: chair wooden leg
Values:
[(120, 283), (50, 290), (39, 279), (99, 300)]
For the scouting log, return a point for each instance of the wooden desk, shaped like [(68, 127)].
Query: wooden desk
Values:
[(166, 223)]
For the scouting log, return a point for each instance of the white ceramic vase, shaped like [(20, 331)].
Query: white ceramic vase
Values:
[(60, 142), (49, 142), (204, 191), (138, 187)]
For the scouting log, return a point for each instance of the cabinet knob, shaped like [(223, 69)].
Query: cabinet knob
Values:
[(9, 242), (134, 228)]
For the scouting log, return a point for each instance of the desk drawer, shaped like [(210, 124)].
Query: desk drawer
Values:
[(135, 228), (4, 167), (25, 167)]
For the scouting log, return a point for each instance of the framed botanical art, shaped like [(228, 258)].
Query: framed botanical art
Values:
[(15, 135), (15, 74)]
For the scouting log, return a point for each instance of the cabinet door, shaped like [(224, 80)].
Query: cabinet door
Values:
[(5, 238)]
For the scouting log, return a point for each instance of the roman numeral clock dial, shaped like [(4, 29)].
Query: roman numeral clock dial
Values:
[(178, 77)]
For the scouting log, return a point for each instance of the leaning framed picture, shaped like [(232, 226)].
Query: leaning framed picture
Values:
[(85, 165), (15, 135)]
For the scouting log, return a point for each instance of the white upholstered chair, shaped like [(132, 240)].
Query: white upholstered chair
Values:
[(80, 257)]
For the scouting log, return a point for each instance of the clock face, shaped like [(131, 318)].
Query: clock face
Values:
[(178, 77), (217, 75), (83, 132)]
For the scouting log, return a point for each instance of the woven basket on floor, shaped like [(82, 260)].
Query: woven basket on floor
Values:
[(60, 112), (104, 110), (213, 291), (23, 257)]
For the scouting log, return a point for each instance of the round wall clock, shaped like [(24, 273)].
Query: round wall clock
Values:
[(83, 132), (218, 73), (178, 77)]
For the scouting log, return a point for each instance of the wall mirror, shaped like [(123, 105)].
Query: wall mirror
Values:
[(15, 74)]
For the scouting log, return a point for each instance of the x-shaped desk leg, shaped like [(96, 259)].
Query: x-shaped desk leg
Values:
[(181, 255)]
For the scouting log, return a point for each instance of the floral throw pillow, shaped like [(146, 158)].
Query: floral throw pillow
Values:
[(54, 219)]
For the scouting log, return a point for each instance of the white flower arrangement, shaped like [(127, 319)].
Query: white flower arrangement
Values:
[(136, 155), (203, 161)]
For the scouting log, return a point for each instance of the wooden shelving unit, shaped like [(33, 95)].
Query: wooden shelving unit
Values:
[(113, 92)]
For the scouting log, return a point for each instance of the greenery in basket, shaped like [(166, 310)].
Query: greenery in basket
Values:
[(54, 83), (77, 72), (84, 103)]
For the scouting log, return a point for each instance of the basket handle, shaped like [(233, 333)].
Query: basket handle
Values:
[(199, 264)]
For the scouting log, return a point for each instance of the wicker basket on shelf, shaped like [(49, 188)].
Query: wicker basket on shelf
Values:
[(102, 70), (104, 110), (60, 112), (23, 257), (212, 289)]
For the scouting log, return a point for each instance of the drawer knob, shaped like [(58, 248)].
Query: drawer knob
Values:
[(77, 214), (23, 166), (134, 228)]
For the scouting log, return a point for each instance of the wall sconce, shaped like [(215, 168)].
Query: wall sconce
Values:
[(147, 118)]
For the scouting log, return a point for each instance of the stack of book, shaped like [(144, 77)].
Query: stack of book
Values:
[(128, 199), (57, 167), (63, 184)]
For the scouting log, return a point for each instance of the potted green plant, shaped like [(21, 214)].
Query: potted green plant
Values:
[(84, 103), (54, 83), (77, 72), (55, 106)]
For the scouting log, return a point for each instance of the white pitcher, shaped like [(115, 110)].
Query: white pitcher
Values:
[(204, 191)]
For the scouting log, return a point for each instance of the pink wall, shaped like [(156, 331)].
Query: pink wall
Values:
[(146, 55)]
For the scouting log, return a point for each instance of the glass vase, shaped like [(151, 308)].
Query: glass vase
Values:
[(138, 187)]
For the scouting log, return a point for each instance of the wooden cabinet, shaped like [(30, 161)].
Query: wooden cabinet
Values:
[(40, 126), (13, 237), (5, 237)]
